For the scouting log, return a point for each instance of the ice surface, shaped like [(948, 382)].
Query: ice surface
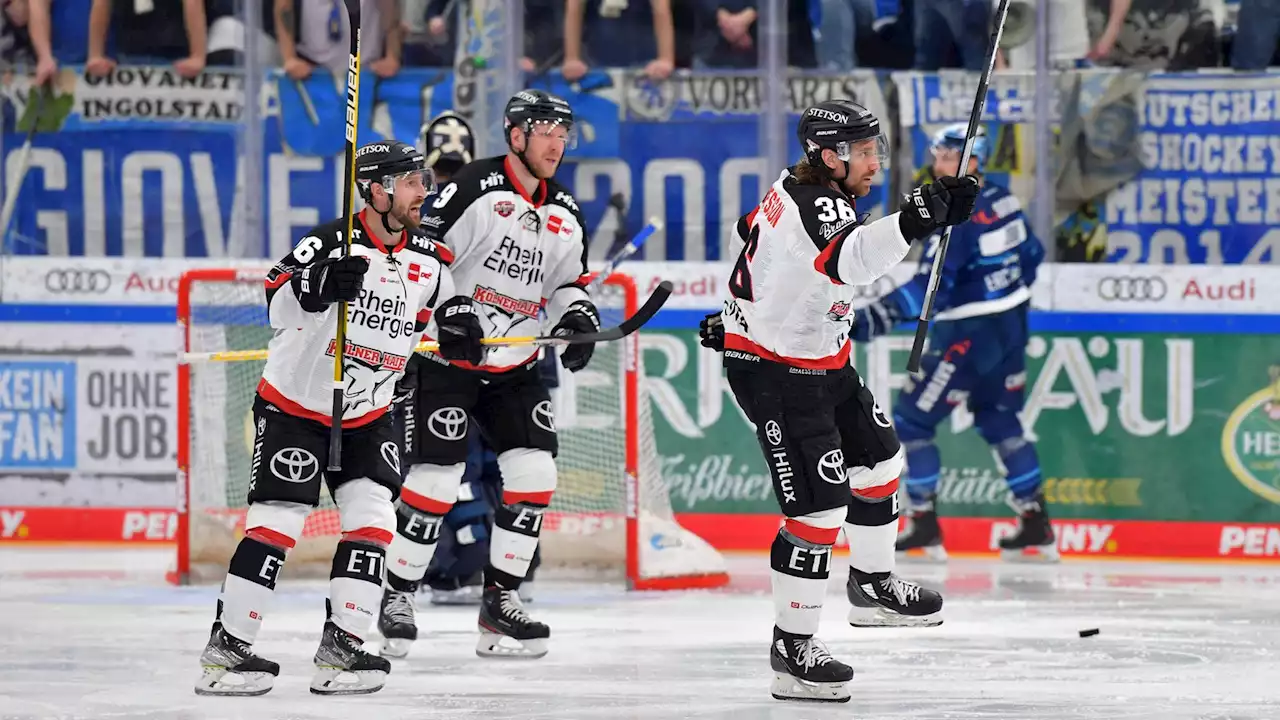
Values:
[(97, 634)]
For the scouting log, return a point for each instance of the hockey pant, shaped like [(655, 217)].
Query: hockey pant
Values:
[(835, 460), (979, 362)]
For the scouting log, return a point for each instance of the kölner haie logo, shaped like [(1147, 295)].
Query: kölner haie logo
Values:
[(1251, 440)]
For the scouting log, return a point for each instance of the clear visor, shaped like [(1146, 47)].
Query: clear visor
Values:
[(565, 132), (950, 153), (423, 180), (871, 149)]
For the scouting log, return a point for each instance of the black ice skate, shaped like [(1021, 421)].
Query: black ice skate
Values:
[(1034, 540), (344, 668), (502, 616), (229, 667), (397, 623), (922, 539), (804, 670), (886, 600)]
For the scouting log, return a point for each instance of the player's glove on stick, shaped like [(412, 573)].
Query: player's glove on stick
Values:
[(581, 317), (946, 201), (323, 283), (711, 332), (459, 330)]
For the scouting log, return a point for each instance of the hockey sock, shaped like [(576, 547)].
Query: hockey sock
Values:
[(355, 585), (871, 527), (515, 539), (248, 587), (924, 466), (1021, 466), (799, 569), (410, 552)]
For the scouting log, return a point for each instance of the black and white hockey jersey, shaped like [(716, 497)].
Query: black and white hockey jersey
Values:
[(402, 286), (515, 254), (792, 287)]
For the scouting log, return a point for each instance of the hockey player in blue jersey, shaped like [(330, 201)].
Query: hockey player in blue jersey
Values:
[(977, 355)]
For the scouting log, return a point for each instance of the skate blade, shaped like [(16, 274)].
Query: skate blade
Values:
[(861, 617), (216, 680), (786, 687), (927, 554), (339, 681), (494, 645), (395, 647), (1034, 554)]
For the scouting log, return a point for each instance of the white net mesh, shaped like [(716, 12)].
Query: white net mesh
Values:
[(585, 528)]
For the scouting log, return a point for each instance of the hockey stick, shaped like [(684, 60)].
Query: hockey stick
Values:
[(626, 327), (348, 217), (627, 251), (24, 162), (975, 117)]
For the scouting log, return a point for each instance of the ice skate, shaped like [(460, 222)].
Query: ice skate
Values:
[(397, 623), (804, 670), (344, 668), (502, 617), (886, 600), (229, 667), (922, 540), (1034, 540)]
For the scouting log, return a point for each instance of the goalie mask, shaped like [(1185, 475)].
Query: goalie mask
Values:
[(448, 144), (389, 163)]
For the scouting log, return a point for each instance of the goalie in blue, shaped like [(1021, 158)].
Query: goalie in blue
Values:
[(976, 355)]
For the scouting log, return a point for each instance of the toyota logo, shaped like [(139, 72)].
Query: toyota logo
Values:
[(77, 282), (448, 423), (831, 467), (294, 465), (542, 416), (773, 432), (1135, 289)]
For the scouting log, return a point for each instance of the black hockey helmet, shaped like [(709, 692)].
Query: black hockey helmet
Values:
[(448, 144), (528, 108), (384, 163), (839, 125)]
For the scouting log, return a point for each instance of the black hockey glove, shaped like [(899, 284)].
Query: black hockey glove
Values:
[(459, 330), (943, 202), (581, 317), (323, 283), (711, 332)]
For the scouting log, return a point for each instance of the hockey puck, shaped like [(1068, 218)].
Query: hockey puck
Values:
[(1089, 633)]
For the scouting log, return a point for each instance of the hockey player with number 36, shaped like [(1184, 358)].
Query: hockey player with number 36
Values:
[(977, 355), (396, 284), (785, 335), (517, 237)]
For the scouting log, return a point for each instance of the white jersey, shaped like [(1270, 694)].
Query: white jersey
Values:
[(791, 289), (514, 254), (402, 286)]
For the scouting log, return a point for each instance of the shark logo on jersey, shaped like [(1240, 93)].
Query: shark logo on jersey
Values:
[(363, 384)]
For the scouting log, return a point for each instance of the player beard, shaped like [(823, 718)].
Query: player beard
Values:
[(409, 219)]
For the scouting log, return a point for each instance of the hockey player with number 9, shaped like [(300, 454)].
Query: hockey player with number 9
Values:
[(396, 284), (977, 355), (784, 333)]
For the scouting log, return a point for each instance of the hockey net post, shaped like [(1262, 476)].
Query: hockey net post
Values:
[(611, 516)]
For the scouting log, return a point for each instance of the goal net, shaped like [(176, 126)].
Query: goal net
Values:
[(611, 514)]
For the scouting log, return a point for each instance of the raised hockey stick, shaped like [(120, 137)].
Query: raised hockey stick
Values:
[(348, 217), (646, 312), (627, 251), (24, 163), (975, 118)]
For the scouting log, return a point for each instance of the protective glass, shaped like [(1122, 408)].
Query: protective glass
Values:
[(561, 130), (875, 148), (410, 181)]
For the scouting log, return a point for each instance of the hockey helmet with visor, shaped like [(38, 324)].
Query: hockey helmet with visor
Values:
[(948, 144), (390, 163), (846, 127), (537, 112)]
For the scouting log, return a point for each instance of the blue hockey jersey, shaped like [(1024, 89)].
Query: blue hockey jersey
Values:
[(990, 265)]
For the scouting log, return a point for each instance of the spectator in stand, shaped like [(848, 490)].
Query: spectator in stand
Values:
[(1157, 35), (15, 42), (430, 41), (621, 33), (1069, 37), (1257, 33), (318, 32), (148, 34), (944, 25), (729, 40)]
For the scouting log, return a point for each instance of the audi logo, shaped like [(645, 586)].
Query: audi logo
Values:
[(77, 282), (1132, 289)]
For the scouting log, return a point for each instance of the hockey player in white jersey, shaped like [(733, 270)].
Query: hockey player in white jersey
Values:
[(517, 237), (397, 284), (784, 332)]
